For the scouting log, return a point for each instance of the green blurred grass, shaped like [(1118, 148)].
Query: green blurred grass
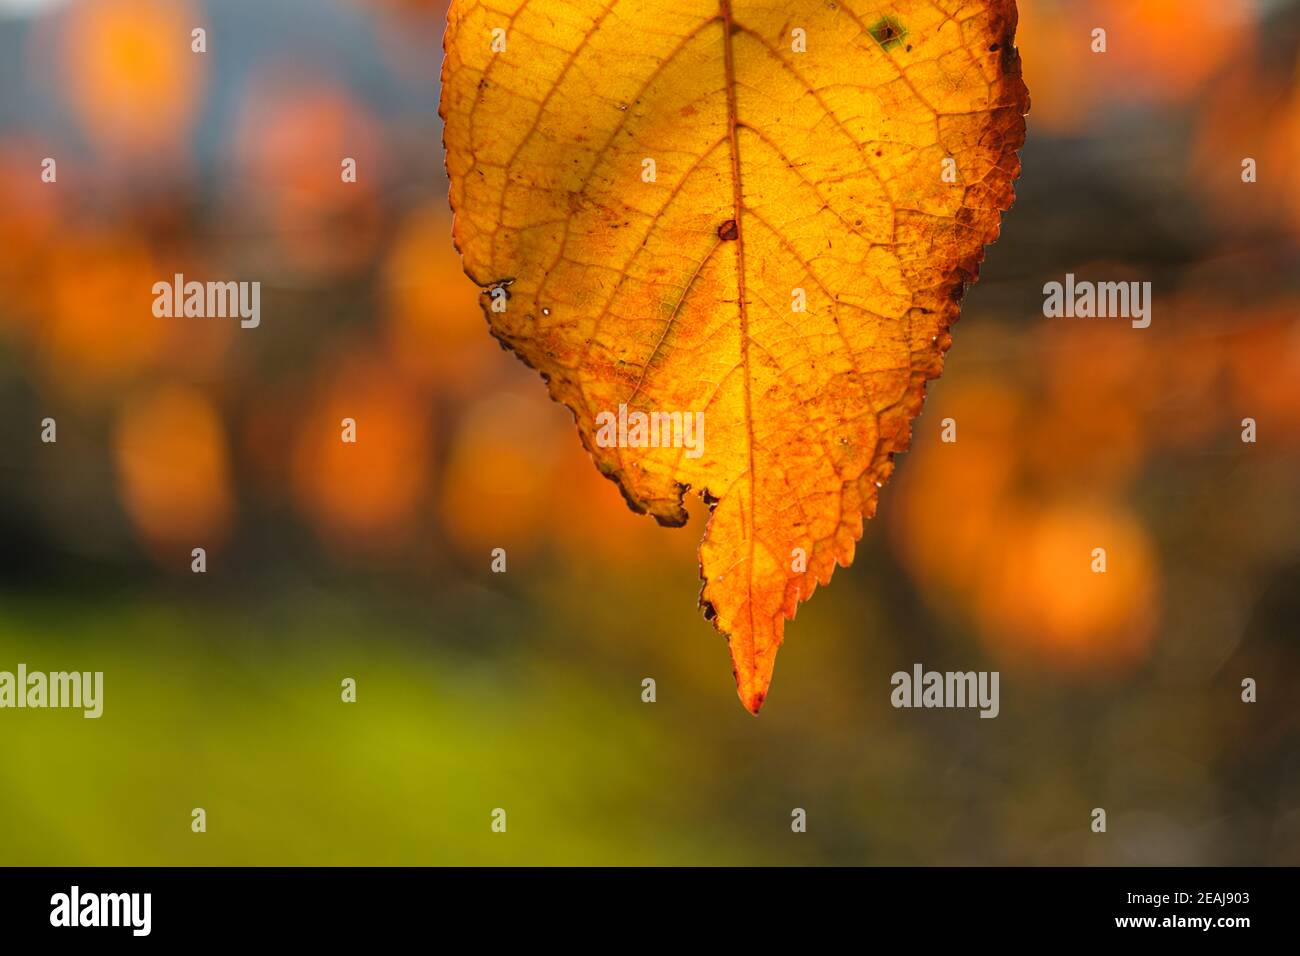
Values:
[(525, 694), (244, 718)]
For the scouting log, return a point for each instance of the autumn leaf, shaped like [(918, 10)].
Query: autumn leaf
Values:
[(755, 217)]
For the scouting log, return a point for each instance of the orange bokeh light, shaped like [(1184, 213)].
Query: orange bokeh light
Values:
[(295, 132), (169, 447), (99, 328), (434, 323), (997, 529), (362, 493), (501, 474), (130, 74), (1157, 51), (1043, 596)]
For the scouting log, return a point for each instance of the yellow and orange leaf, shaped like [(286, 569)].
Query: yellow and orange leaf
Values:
[(649, 190)]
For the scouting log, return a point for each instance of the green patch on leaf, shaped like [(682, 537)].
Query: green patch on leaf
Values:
[(888, 32)]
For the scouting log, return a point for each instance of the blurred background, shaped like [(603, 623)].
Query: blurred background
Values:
[(522, 690)]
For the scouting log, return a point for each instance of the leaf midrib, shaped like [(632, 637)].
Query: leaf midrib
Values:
[(738, 206)]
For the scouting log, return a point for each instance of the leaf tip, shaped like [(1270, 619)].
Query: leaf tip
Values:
[(752, 697), (752, 685)]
